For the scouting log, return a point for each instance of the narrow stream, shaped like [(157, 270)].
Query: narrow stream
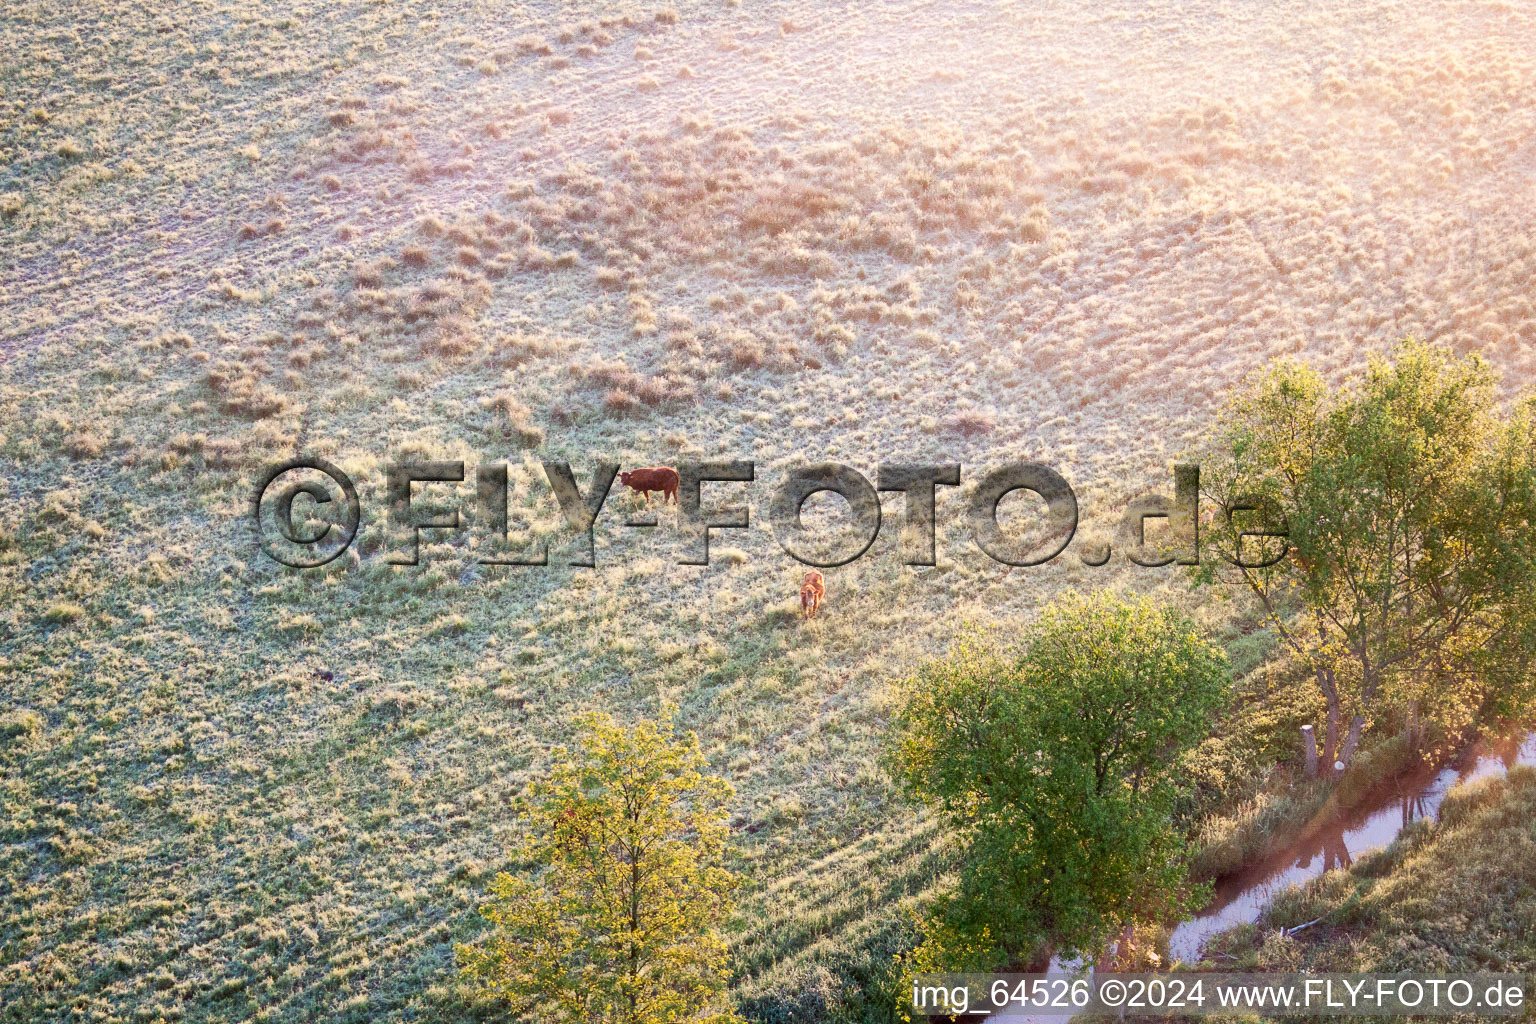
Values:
[(1333, 843)]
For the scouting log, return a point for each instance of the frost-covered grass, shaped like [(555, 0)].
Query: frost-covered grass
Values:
[(489, 230)]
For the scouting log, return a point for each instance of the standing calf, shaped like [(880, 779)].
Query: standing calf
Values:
[(812, 589)]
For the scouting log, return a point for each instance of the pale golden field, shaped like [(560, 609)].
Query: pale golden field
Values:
[(781, 232)]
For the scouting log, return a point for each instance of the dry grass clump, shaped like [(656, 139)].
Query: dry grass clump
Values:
[(532, 45), (972, 422), (63, 612), (370, 274), (514, 419), (780, 205), (628, 392), (458, 291), (453, 336), (515, 349), (84, 444), (241, 390), (701, 194)]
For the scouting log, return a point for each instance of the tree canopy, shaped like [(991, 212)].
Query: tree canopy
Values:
[(617, 919), (1407, 505), (1052, 766)]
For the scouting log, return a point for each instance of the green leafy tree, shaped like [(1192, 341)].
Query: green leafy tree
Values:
[(1052, 765), (1407, 506), (618, 920)]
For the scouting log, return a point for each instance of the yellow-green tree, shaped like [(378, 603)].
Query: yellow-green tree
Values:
[(617, 921)]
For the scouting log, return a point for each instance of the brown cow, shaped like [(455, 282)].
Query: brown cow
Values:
[(812, 589), (653, 478)]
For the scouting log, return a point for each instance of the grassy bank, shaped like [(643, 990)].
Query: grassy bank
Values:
[(1454, 895)]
